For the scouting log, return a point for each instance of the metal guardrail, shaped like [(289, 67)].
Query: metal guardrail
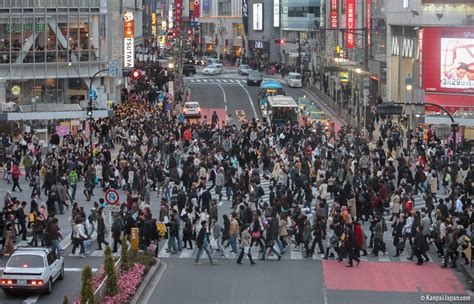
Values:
[(99, 293)]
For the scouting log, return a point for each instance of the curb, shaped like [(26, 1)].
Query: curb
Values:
[(149, 283)]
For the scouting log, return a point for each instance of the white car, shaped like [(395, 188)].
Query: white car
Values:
[(244, 69), (32, 269), (211, 69), (294, 80), (192, 109)]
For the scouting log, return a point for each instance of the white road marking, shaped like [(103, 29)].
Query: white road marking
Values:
[(220, 203), (65, 269), (223, 93), (32, 299), (250, 100), (163, 253), (186, 254)]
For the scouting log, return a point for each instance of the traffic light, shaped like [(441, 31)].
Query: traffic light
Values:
[(89, 111), (282, 41), (135, 74)]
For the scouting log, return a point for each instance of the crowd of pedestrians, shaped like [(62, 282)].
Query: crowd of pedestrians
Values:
[(190, 167)]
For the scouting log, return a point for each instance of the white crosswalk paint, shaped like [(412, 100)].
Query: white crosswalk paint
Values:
[(224, 80), (384, 258), (186, 254), (296, 255), (163, 253)]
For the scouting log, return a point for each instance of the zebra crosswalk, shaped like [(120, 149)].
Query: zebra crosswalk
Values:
[(290, 254), (215, 80)]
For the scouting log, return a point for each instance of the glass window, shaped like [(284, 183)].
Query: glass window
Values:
[(26, 261), (224, 8), (4, 40)]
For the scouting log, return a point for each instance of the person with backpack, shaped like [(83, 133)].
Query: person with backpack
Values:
[(38, 227)]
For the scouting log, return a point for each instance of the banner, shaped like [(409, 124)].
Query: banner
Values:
[(350, 24), (257, 17), (128, 25), (369, 22), (245, 16), (448, 60), (197, 9), (334, 14)]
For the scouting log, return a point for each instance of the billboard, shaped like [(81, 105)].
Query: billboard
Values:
[(350, 24), (448, 65), (245, 15), (334, 14), (128, 40), (276, 13), (257, 17)]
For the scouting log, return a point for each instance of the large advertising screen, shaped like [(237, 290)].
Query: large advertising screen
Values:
[(258, 16), (448, 59)]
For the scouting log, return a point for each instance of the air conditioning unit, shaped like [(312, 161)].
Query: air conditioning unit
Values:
[(468, 22)]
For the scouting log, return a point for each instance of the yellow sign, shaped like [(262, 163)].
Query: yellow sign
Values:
[(338, 49), (16, 90), (153, 24), (134, 239), (163, 25)]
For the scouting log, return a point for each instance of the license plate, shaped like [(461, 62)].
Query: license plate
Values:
[(21, 282)]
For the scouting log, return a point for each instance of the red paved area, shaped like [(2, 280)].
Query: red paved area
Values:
[(391, 277), (208, 112)]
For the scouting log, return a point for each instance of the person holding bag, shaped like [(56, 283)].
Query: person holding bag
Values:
[(79, 236), (245, 246)]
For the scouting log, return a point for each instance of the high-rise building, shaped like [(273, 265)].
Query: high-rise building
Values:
[(49, 52)]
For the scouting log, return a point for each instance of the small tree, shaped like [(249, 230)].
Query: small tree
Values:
[(66, 300), (124, 255), (87, 293), (110, 272)]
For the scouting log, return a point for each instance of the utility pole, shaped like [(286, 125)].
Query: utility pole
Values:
[(299, 68), (90, 110)]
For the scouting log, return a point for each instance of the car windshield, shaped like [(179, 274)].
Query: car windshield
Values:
[(26, 261), (295, 77), (211, 66), (303, 101), (255, 74), (192, 106), (244, 66)]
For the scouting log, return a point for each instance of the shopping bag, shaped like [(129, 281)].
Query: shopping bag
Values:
[(161, 229), (87, 244)]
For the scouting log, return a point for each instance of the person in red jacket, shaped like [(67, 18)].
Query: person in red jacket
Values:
[(359, 237), (16, 173)]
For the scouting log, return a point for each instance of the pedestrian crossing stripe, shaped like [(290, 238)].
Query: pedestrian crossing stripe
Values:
[(217, 80)]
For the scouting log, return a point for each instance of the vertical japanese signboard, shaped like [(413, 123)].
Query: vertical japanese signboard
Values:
[(276, 13), (178, 14), (350, 24), (197, 9), (369, 21), (334, 14), (128, 40)]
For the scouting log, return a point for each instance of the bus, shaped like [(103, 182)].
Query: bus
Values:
[(282, 109), (269, 88)]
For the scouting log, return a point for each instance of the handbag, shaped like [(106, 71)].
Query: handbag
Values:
[(256, 234), (213, 243)]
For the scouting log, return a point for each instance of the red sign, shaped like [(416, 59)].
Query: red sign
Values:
[(197, 12), (334, 14), (420, 57), (178, 13), (368, 22), (350, 24), (448, 66)]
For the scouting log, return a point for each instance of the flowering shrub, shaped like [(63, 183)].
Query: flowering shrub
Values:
[(96, 280), (127, 284)]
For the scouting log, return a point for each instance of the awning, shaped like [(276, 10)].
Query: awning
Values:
[(452, 103)]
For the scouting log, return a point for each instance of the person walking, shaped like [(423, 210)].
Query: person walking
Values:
[(202, 242), (351, 246), (420, 245), (217, 235), (79, 236), (16, 173), (100, 230), (245, 246), (117, 228), (55, 235), (234, 232)]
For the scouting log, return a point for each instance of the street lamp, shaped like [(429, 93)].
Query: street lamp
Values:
[(170, 65)]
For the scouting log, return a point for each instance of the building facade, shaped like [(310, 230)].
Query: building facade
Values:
[(263, 31), (49, 52), (429, 51), (223, 32), (297, 17)]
